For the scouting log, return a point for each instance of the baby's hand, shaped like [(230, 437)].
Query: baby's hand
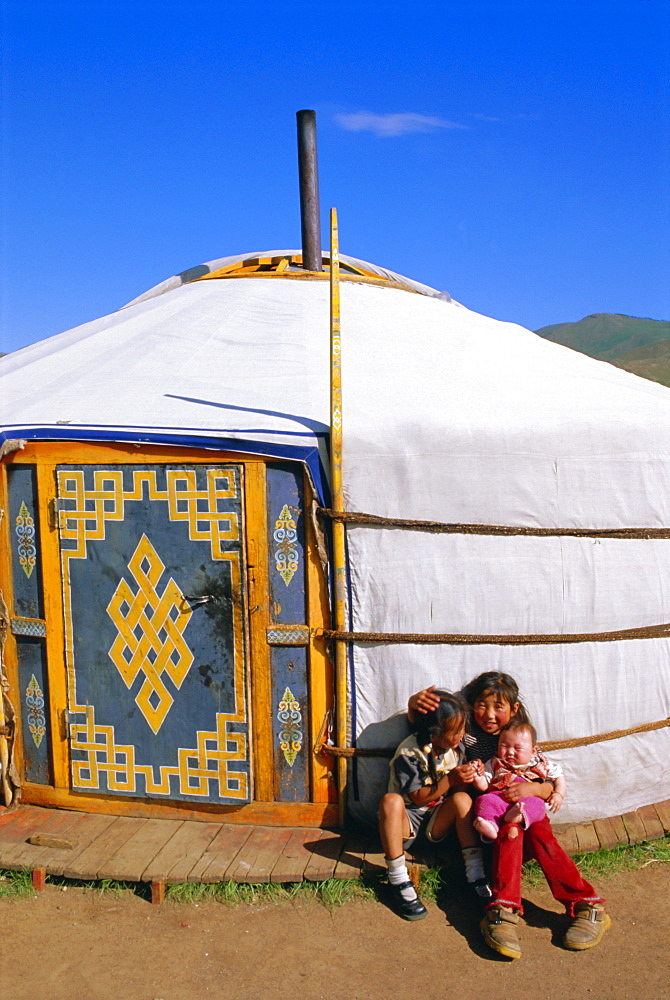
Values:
[(424, 701), (554, 802), (479, 767), (467, 772)]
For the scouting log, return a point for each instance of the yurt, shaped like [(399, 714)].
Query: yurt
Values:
[(168, 572)]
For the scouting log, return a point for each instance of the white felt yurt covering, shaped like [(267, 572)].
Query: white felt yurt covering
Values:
[(449, 416)]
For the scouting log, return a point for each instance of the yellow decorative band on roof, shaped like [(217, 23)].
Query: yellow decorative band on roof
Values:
[(291, 267)]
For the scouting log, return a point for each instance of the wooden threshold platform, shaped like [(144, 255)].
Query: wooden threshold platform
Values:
[(91, 846)]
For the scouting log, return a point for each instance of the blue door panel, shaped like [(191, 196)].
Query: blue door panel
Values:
[(34, 699), (27, 622), (289, 633)]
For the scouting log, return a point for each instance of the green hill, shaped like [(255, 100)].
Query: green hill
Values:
[(607, 335), (641, 346)]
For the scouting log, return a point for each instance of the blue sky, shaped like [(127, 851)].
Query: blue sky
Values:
[(512, 153)]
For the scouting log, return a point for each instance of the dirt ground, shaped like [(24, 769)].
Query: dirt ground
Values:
[(83, 945)]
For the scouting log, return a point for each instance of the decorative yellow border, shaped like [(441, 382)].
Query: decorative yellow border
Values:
[(211, 759)]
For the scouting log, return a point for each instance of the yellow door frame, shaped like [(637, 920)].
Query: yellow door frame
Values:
[(321, 810)]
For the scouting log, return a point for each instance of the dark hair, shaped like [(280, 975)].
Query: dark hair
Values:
[(494, 682), (428, 728), (524, 727)]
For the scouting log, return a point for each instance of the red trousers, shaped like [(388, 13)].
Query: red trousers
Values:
[(538, 842)]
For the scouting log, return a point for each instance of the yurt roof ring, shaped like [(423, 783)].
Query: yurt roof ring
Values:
[(288, 264)]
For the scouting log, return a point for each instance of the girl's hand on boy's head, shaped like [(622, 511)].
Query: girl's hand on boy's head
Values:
[(424, 701)]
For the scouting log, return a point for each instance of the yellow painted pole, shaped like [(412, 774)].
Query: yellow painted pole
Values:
[(339, 555)]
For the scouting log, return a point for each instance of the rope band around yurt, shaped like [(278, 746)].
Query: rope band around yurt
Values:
[(547, 746), (444, 528), (466, 639)]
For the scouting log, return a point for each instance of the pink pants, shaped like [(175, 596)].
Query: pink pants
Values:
[(490, 806), (538, 842)]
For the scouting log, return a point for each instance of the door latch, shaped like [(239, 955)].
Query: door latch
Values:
[(204, 599)]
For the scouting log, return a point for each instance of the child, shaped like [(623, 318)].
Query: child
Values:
[(426, 791), (517, 760), (494, 699)]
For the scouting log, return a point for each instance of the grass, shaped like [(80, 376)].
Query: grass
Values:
[(333, 892), (15, 884), (433, 882), (596, 866), (602, 864)]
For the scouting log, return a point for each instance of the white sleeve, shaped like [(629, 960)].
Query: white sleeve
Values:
[(488, 772), (555, 770)]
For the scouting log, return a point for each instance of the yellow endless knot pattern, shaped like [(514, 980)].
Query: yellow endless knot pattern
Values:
[(211, 760), (151, 633), (199, 508)]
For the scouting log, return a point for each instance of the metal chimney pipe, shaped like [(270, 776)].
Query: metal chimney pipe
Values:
[(310, 221)]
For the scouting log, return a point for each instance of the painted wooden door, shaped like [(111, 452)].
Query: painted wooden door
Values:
[(152, 560)]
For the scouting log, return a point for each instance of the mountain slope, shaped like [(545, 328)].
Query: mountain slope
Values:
[(641, 346), (607, 335)]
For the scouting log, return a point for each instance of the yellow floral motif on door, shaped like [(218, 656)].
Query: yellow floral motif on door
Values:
[(150, 636)]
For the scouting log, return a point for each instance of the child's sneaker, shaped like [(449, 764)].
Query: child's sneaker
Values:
[(588, 926), (407, 903), (498, 926)]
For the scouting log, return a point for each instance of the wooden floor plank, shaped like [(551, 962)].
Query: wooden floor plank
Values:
[(375, 862), (86, 828), (352, 858), (188, 846), (608, 835), (21, 854), (5, 815), (663, 813), (134, 856), (260, 854), (634, 827), (14, 844), (325, 855), (567, 838), (173, 850), (91, 862), (11, 818), (291, 863), (652, 824), (220, 854), (58, 823), (587, 837), (25, 821), (171, 855), (619, 827)]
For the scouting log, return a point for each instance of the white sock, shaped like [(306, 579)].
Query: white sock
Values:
[(474, 863), (398, 874)]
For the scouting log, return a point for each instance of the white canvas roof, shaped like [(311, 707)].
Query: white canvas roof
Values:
[(448, 416)]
